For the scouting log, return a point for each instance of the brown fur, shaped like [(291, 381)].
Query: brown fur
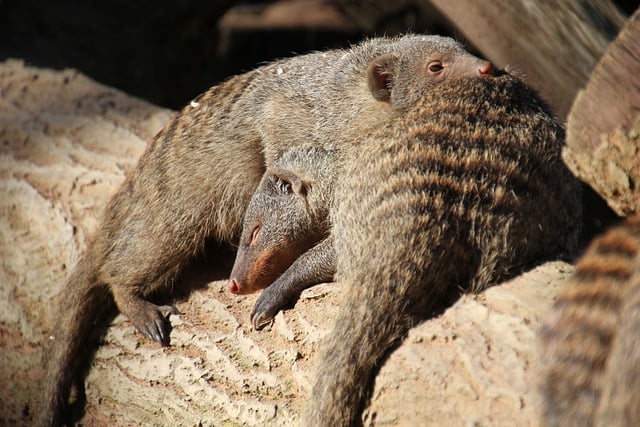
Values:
[(591, 345), (460, 192), (196, 177)]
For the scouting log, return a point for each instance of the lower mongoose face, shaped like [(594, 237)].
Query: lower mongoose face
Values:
[(197, 175), (463, 190), (591, 343), (286, 216), (285, 245)]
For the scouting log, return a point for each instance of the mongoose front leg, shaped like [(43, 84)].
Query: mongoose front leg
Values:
[(315, 266)]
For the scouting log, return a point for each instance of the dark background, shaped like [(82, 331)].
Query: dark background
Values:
[(169, 51)]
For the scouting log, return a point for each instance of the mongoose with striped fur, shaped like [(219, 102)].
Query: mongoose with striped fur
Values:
[(461, 191)]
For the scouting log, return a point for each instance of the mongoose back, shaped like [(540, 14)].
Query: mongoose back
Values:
[(285, 244), (461, 191), (591, 344), (197, 175)]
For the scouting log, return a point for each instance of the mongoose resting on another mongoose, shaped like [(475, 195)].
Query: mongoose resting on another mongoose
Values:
[(285, 245), (197, 175), (461, 191), (591, 344)]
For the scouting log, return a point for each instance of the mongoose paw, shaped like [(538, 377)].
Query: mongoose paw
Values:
[(153, 321), (263, 312), (260, 319), (269, 303)]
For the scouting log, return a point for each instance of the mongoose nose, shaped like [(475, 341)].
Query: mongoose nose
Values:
[(234, 287), (487, 69)]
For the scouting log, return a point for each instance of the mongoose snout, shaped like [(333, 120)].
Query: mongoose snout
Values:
[(487, 70)]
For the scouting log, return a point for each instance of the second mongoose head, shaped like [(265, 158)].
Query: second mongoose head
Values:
[(417, 63), (287, 215)]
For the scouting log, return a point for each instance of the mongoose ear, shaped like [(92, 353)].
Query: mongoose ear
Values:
[(287, 182), (380, 76)]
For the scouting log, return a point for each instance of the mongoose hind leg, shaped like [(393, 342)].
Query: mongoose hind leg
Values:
[(150, 319)]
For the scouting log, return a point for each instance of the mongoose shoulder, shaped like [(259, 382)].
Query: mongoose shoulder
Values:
[(591, 343), (196, 176), (461, 191)]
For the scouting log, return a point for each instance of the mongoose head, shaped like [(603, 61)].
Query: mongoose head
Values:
[(418, 63), (280, 224)]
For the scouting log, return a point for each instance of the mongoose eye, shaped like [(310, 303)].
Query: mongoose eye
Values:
[(435, 67), (281, 185)]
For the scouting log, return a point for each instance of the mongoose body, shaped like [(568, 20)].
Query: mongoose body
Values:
[(591, 344), (195, 178), (460, 192)]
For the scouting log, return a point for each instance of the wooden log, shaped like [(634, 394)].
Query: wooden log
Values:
[(603, 129)]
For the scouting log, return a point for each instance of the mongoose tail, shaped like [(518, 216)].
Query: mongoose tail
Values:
[(75, 330), (590, 344)]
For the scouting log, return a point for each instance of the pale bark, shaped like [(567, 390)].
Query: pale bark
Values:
[(603, 130)]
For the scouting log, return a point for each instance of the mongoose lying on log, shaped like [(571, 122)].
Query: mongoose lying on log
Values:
[(461, 191), (591, 344), (195, 178)]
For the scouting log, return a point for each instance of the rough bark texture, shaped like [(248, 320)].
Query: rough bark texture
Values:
[(603, 130), (65, 144)]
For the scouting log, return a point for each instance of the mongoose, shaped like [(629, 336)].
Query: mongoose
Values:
[(461, 191), (285, 244), (197, 175), (591, 343)]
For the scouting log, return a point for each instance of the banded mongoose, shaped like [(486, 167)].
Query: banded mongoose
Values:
[(461, 191), (591, 343), (197, 175), (285, 245)]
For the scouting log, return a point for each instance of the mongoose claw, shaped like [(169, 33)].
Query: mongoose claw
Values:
[(263, 312), (153, 321), (168, 310), (269, 303), (260, 319)]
